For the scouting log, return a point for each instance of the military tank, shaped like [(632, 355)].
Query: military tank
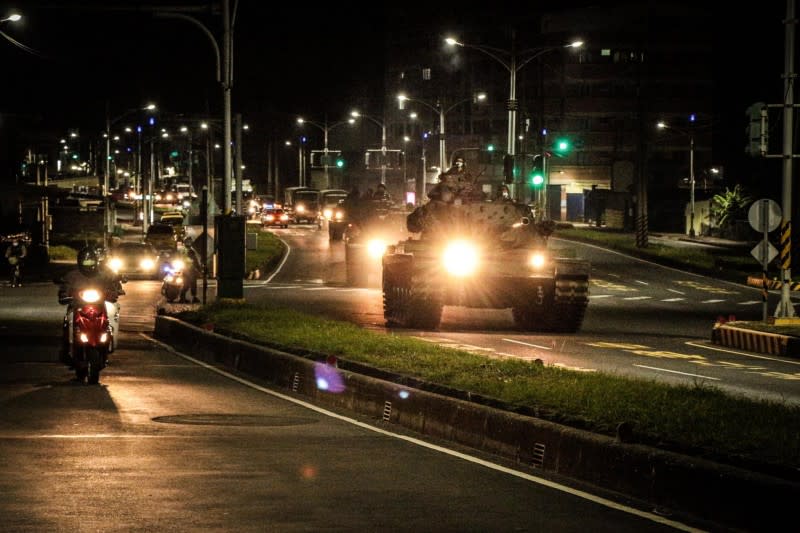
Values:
[(482, 255)]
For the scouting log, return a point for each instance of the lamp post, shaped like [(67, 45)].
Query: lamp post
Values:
[(325, 127), (13, 17), (513, 62), (106, 204), (442, 111), (225, 78), (663, 125), (382, 125)]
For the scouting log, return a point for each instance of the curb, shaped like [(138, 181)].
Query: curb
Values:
[(755, 341), (718, 492)]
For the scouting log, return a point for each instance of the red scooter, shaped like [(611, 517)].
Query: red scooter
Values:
[(90, 335)]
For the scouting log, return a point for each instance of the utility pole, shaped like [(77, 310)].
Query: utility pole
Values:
[(238, 164), (785, 308)]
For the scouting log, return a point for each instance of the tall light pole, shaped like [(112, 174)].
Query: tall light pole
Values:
[(325, 127), (106, 204), (382, 125), (225, 78), (442, 111), (513, 62), (663, 125)]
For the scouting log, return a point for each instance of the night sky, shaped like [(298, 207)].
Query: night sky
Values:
[(304, 60)]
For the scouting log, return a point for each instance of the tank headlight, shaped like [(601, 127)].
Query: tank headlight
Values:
[(339, 215), (327, 213), (537, 260), (376, 248), (301, 209), (460, 258), (147, 264)]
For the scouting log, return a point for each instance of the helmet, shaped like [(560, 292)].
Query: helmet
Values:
[(188, 242), (88, 261)]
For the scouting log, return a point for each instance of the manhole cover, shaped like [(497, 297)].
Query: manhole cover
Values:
[(234, 420)]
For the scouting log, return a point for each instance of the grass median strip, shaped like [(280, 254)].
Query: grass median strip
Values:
[(699, 419)]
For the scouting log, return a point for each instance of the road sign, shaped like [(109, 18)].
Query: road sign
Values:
[(762, 211), (758, 251)]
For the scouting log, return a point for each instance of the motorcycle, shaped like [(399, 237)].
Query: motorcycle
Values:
[(90, 333), (173, 280)]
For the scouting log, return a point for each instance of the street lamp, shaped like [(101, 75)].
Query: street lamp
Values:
[(663, 125), (442, 111), (513, 62), (382, 125), (325, 127), (13, 17), (110, 122)]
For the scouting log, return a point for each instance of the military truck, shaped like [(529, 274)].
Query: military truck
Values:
[(375, 225), (484, 255)]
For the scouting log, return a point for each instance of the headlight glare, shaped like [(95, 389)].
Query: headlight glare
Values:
[(460, 258)]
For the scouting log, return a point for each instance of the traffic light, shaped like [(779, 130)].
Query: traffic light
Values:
[(339, 162), (756, 130), (508, 168), (562, 146), (536, 174)]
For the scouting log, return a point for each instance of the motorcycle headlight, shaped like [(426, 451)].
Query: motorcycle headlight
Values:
[(177, 264), (89, 295), (104, 337), (147, 264), (115, 264), (537, 260), (376, 248), (460, 258)]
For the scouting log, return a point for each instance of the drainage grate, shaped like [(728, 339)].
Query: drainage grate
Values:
[(387, 411), (538, 455), (296, 381)]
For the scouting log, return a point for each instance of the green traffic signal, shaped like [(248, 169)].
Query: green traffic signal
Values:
[(537, 178), (562, 146), (340, 163)]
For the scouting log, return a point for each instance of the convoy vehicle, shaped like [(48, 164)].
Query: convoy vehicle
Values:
[(329, 200), (162, 236), (302, 204), (377, 225), (134, 259), (484, 255)]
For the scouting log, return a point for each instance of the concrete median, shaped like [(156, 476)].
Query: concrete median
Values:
[(722, 493)]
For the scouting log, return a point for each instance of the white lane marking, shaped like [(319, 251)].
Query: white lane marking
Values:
[(318, 288), (676, 372), (750, 302), (441, 449), (596, 296), (638, 298), (737, 352), (283, 261), (528, 344), (613, 275), (711, 301), (640, 282), (672, 299), (274, 287), (676, 291)]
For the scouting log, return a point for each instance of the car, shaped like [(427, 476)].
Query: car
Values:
[(174, 219), (162, 236), (134, 260), (275, 217)]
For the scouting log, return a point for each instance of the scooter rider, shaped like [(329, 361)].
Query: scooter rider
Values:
[(88, 274)]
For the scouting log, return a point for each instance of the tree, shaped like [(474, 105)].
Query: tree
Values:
[(730, 206)]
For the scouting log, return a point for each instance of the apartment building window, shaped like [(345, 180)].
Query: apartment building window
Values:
[(426, 74)]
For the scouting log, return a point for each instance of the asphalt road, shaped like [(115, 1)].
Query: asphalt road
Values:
[(643, 320), (167, 443)]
